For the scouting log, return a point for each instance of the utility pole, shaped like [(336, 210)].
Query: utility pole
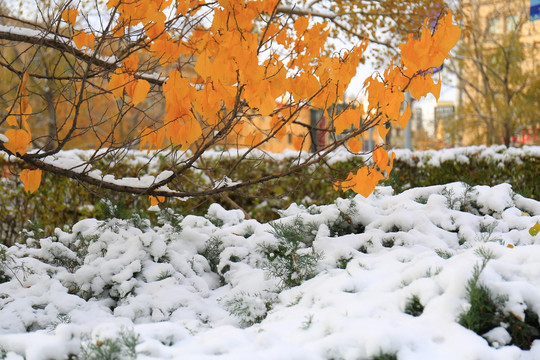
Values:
[(408, 132)]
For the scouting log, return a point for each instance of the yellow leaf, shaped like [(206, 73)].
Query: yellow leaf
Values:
[(253, 140), (118, 82), (203, 65), (422, 85), (82, 39), (184, 131), (300, 25), (70, 16), (404, 118), (380, 158), (30, 179), (154, 200), (131, 63), (363, 182), (535, 229), (11, 120), (152, 137), (298, 141), (355, 144), (138, 91), (18, 141), (347, 119)]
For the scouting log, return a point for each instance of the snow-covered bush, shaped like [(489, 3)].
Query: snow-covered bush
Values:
[(203, 288)]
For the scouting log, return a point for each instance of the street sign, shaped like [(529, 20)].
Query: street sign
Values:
[(535, 10)]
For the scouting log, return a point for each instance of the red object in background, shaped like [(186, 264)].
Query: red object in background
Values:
[(321, 135), (6, 173), (528, 136)]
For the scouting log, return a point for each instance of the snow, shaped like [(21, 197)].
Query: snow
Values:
[(164, 283)]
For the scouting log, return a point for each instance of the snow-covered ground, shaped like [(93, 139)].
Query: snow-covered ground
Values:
[(221, 287)]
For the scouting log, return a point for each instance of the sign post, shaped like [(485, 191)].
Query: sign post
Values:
[(535, 10)]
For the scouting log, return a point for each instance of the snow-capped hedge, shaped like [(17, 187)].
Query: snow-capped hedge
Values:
[(478, 165), (390, 274), (475, 165)]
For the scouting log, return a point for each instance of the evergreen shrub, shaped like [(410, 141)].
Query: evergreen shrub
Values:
[(62, 202)]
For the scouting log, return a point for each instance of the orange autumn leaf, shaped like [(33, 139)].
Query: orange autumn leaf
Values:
[(347, 119), (82, 39), (423, 85), (184, 131), (11, 120), (390, 165), (362, 182), (165, 49), (277, 124), (152, 137), (155, 200), (355, 144), (24, 81), (30, 179), (131, 63), (253, 140), (203, 66), (70, 16), (138, 90), (380, 158), (383, 130), (430, 50), (447, 34), (118, 82), (298, 141), (18, 141), (269, 5), (300, 25)]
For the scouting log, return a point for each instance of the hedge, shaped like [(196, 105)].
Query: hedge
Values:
[(61, 202)]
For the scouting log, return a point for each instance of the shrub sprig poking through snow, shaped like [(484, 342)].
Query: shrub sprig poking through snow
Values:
[(487, 317), (122, 347), (291, 259), (249, 308)]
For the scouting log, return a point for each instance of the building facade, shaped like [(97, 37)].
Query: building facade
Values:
[(498, 67)]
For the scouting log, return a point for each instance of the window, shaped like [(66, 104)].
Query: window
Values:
[(495, 25), (511, 23)]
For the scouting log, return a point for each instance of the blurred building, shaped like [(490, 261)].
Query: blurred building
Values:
[(487, 103)]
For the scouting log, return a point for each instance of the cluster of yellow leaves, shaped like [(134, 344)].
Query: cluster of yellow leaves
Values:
[(366, 178), (70, 16), (241, 65), (386, 96), (123, 79), (82, 39), (348, 118), (19, 135)]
